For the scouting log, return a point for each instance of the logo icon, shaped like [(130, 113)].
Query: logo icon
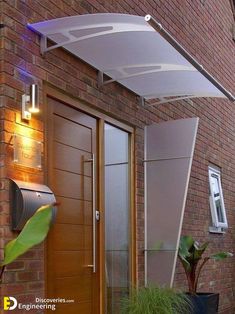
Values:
[(9, 303)]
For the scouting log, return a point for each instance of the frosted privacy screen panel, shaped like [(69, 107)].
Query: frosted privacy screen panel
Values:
[(169, 150), (172, 139), (130, 51), (165, 192), (159, 263)]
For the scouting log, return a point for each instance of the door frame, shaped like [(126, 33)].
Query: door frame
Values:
[(54, 93)]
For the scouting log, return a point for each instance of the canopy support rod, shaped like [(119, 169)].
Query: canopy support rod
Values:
[(158, 68), (158, 27), (163, 100)]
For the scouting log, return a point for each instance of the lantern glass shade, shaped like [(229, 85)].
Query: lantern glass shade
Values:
[(34, 99)]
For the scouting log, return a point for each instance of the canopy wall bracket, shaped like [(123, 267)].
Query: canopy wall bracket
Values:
[(100, 81), (43, 45), (141, 101)]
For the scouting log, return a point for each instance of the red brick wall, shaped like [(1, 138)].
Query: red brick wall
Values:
[(23, 278), (204, 28)]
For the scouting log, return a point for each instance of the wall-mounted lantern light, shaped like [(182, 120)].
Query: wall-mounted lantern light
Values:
[(30, 103)]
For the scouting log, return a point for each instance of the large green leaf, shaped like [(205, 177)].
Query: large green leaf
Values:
[(186, 243), (190, 251), (33, 233), (199, 250), (221, 255)]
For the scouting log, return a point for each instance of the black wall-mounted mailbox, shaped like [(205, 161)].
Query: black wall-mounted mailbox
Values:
[(25, 199)]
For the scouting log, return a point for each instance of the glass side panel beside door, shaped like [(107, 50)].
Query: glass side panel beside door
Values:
[(117, 212)]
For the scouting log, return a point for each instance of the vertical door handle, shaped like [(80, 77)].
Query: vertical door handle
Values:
[(94, 211)]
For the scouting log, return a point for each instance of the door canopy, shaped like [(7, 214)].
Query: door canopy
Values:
[(134, 51)]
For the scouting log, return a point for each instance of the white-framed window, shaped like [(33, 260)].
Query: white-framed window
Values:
[(218, 211)]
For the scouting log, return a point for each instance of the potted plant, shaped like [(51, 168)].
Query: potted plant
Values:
[(33, 233), (152, 300), (190, 254)]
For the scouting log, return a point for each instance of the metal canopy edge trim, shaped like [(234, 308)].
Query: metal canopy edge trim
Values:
[(134, 51), (157, 26)]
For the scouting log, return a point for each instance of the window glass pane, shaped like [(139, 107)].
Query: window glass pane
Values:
[(217, 197), (219, 210), (117, 205), (117, 275), (116, 145), (215, 185), (116, 216)]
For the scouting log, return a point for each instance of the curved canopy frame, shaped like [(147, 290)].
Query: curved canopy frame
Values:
[(134, 51)]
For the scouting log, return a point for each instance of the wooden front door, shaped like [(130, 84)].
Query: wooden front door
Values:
[(70, 256)]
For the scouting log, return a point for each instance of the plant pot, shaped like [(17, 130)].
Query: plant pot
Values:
[(204, 303)]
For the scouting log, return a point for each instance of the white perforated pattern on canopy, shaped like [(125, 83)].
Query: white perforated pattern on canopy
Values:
[(130, 51)]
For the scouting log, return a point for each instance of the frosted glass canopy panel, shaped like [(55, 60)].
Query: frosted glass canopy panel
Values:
[(129, 50)]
